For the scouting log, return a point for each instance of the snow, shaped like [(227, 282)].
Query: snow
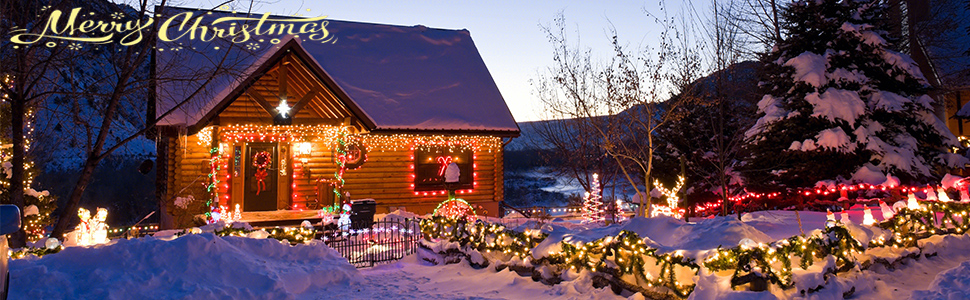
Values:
[(951, 284), (773, 110), (401, 77), (950, 181), (888, 101), (869, 174), (844, 76), (864, 32), (192, 266), (903, 62), (809, 68), (837, 104), (834, 139), (207, 266), (412, 278)]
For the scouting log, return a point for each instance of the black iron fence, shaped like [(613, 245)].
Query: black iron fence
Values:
[(136, 231), (365, 244)]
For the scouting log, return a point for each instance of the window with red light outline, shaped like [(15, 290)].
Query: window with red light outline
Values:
[(428, 169)]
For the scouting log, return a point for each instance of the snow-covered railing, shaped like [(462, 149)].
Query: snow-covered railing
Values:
[(802, 262)]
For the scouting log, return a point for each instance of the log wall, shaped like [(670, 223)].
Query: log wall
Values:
[(386, 177)]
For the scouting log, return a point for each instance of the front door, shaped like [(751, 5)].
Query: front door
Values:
[(262, 168)]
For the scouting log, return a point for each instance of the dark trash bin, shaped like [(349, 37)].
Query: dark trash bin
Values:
[(363, 213)]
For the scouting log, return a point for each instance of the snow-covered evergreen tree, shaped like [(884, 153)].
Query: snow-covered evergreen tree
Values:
[(839, 104), (593, 203)]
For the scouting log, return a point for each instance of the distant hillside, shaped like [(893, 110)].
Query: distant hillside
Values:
[(742, 86)]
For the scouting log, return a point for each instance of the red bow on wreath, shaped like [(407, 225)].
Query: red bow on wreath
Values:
[(260, 176)]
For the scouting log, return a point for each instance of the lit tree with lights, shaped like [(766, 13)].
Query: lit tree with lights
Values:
[(593, 203), (37, 206)]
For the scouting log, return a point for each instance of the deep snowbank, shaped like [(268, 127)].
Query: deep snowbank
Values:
[(194, 266), (951, 284)]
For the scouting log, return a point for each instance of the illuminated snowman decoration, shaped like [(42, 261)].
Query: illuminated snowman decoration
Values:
[(344, 221), (452, 173), (83, 231), (99, 232), (92, 230)]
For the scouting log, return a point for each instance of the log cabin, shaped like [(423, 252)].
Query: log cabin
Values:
[(289, 125)]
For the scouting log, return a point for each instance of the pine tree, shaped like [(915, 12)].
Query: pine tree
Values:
[(593, 203), (838, 102)]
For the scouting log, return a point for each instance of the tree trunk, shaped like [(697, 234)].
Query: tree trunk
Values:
[(69, 213), (18, 239), (776, 23), (94, 158), (649, 172)]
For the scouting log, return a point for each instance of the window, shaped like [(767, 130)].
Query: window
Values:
[(431, 168)]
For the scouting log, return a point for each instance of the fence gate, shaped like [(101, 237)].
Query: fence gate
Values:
[(365, 244)]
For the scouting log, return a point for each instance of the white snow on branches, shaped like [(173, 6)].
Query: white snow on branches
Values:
[(771, 106), (833, 104), (864, 32), (888, 101), (835, 138), (809, 68), (829, 139)]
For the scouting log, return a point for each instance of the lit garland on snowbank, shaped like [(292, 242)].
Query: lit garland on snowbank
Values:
[(620, 255), (625, 253), (774, 262), (288, 234), (32, 251)]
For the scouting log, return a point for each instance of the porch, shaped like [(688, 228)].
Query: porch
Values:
[(279, 217)]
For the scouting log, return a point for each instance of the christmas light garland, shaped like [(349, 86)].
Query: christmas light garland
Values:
[(288, 234), (398, 142), (626, 254), (618, 255), (33, 251), (212, 187)]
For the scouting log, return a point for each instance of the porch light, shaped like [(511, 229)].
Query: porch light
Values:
[(303, 150), (283, 108)]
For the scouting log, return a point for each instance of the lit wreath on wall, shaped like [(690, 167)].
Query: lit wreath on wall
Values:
[(355, 157)]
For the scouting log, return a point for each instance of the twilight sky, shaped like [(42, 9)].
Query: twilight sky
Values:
[(507, 33)]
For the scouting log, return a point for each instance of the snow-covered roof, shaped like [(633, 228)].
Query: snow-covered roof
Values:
[(398, 77)]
